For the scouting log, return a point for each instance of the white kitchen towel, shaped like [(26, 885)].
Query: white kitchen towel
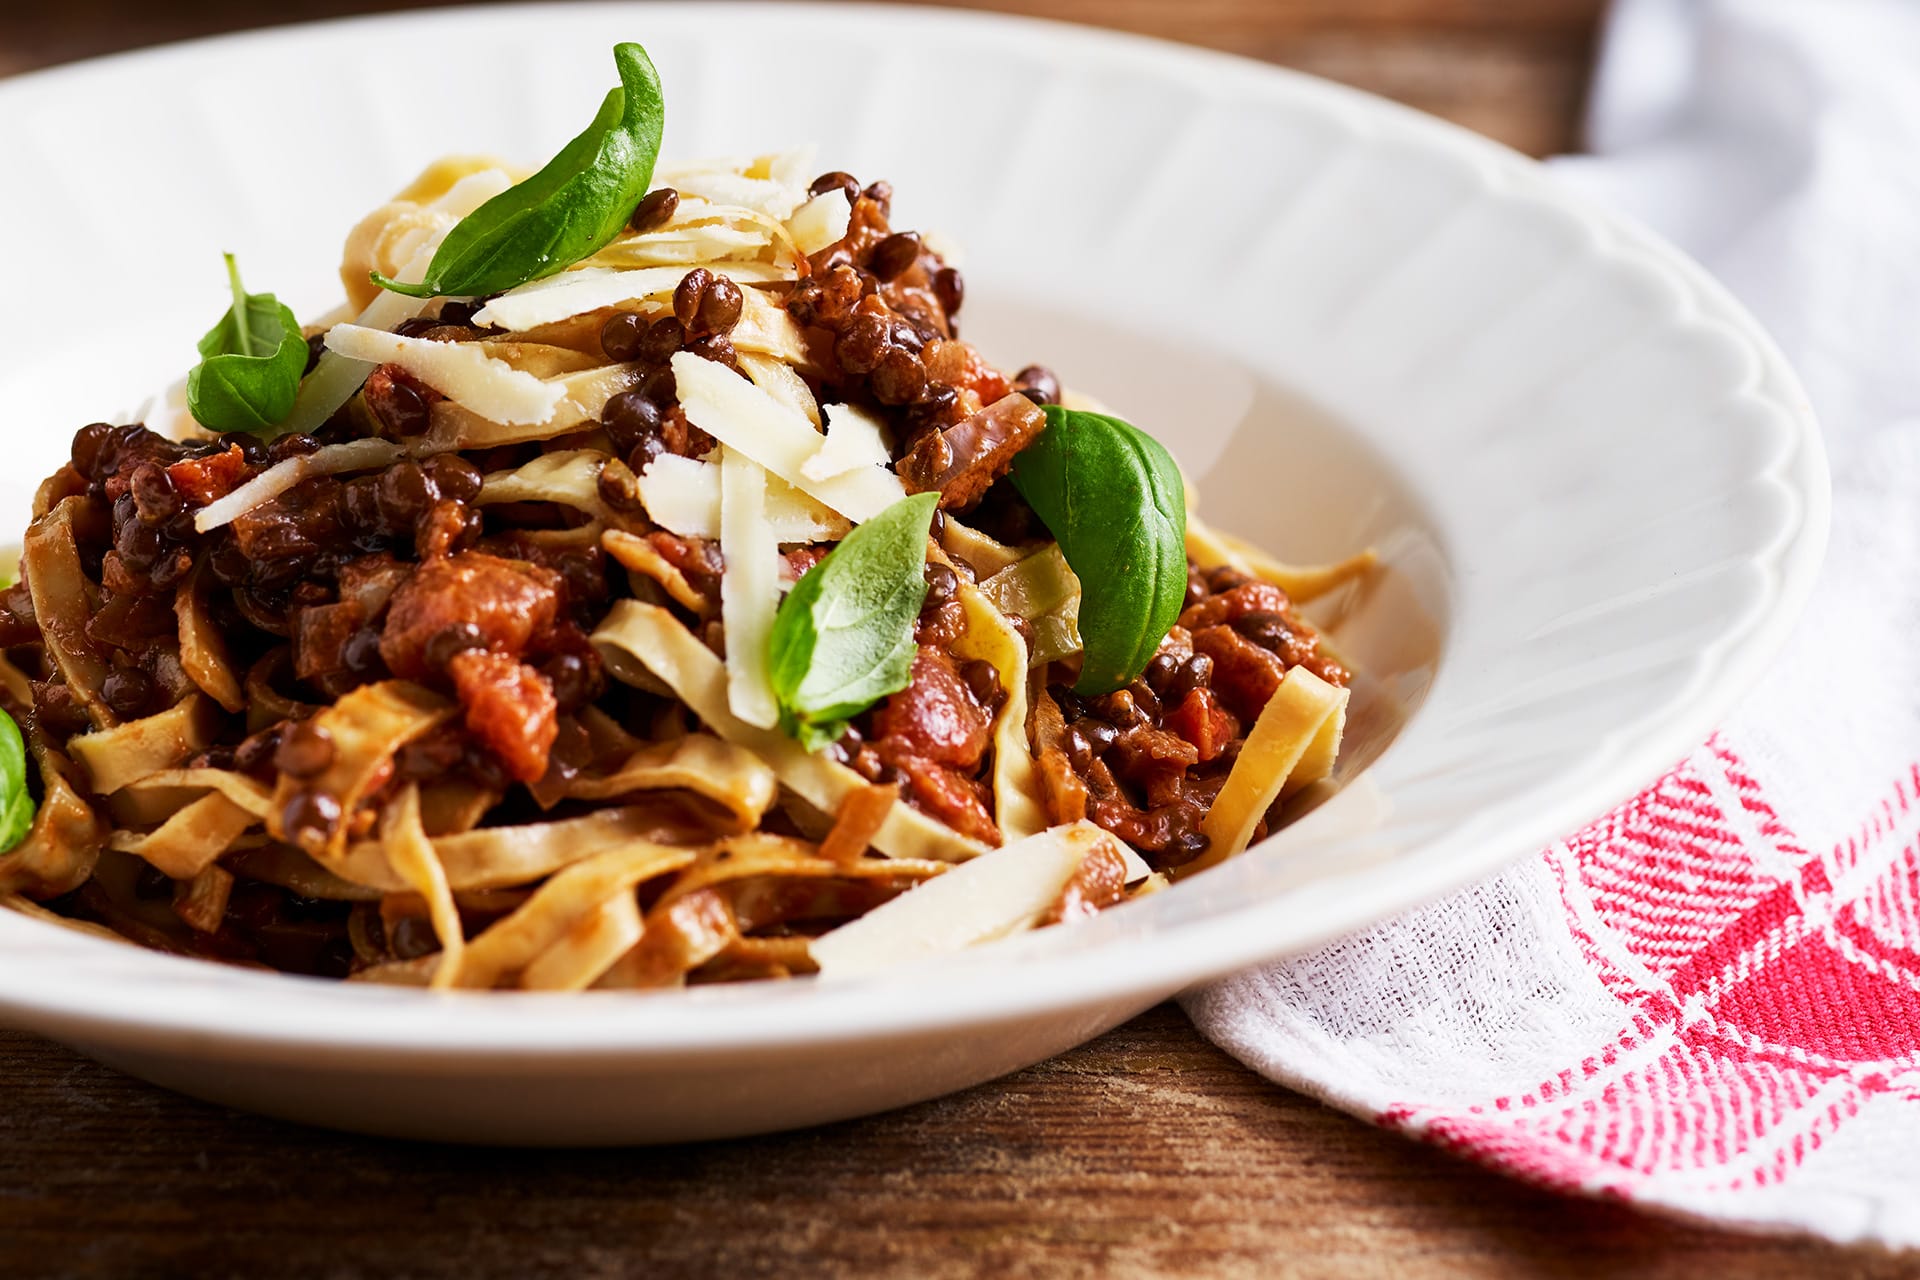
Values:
[(1709, 1001)]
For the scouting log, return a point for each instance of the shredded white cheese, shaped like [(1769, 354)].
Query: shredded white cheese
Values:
[(767, 195), (573, 293), (750, 588), (354, 455), (855, 439), (463, 372), (742, 416), (821, 221), (683, 496)]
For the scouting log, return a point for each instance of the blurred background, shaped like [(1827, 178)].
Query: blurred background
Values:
[(1513, 69)]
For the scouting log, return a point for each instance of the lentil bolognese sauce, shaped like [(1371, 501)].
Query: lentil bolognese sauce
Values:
[(698, 604)]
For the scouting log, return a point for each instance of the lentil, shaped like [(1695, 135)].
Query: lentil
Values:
[(655, 209)]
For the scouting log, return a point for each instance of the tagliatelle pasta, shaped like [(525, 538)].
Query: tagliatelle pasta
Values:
[(590, 631)]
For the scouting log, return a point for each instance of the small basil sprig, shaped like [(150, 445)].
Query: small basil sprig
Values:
[(16, 805), (1112, 497), (843, 638), (567, 211), (250, 364)]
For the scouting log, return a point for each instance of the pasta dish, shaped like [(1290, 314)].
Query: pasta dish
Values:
[(637, 581)]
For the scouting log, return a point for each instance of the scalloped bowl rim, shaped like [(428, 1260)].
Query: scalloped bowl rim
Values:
[(263, 1017)]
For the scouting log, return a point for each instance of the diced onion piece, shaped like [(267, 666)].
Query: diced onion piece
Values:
[(463, 372), (573, 293), (1035, 586), (683, 496), (987, 556), (1056, 636), (635, 633), (1291, 744), (354, 455), (997, 894), (1042, 589), (750, 588), (821, 221), (741, 416), (855, 439)]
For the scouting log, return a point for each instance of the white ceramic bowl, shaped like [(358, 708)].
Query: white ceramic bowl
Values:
[(1598, 490)]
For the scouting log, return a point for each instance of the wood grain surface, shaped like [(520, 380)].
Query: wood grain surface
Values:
[(1145, 1152)]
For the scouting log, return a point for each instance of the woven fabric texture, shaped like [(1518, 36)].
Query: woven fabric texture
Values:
[(1707, 1002)]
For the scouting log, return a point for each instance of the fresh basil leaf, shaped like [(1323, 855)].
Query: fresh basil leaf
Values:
[(1112, 497), (250, 364), (843, 638), (567, 211), (16, 805)]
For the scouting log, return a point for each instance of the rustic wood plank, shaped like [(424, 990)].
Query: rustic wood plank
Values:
[(1514, 71), (1146, 1152)]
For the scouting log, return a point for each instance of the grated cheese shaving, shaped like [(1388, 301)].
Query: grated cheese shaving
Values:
[(572, 293), (461, 371), (821, 221), (774, 198), (741, 416), (585, 396), (855, 438), (354, 455), (683, 495), (750, 588)]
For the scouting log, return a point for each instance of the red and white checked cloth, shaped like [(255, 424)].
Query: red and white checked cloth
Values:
[(1708, 1002)]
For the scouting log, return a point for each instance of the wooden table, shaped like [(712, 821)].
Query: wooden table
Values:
[(1147, 1151)]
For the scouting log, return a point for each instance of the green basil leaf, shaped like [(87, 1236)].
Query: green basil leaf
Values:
[(567, 211), (1112, 497), (250, 364), (16, 805), (843, 638)]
